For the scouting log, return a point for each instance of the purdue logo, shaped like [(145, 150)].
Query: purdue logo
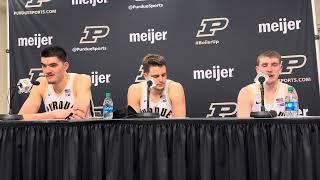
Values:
[(58, 105), (139, 77), (291, 62), (224, 109), (163, 112), (210, 26), (35, 3), (35, 73), (93, 33)]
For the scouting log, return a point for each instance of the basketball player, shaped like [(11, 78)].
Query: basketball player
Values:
[(65, 95), (166, 97), (249, 99)]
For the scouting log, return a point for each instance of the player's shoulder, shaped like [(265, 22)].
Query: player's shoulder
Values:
[(80, 77), (174, 84), (136, 86), (248, 89)]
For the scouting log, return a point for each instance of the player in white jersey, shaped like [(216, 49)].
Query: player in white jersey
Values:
[(64, 94), (166, 97), (249, 99)]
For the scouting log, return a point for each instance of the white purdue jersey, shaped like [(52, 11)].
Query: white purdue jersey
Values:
[(65, 100), (163, 106), (277, 104)]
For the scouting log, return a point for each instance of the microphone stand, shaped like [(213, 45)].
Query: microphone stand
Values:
[(263, 108), (148, 114), (10, 115), (263, 113)]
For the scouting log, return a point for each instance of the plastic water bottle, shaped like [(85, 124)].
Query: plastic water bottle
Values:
[(108, 107), (291, 103)]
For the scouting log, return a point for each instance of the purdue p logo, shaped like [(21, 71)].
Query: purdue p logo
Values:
[(224, 109), (139, 77), (289, 63), (93, 33), (35, 73), (210, 26), (35, 3)]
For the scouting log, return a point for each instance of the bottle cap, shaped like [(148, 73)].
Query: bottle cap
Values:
[(108, 94), (290, 89)]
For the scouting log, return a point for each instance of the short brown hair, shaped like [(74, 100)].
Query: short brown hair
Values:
[(153, 60), (269, 54)]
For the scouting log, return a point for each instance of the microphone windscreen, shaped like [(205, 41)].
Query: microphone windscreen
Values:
[(36, 83), (149, 83), (261, 79)]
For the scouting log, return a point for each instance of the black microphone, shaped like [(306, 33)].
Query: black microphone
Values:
[(23, 86), (261, 79), (149, 113), (35, 83), (149, 83)]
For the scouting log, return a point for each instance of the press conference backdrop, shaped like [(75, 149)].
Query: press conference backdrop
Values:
[(210, 45)]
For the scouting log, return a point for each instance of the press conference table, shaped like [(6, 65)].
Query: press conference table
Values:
[(195, 148)]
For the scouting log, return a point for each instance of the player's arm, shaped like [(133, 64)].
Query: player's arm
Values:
[(177, 98), (30, 108), (244, 104), (133, 97), (82, 87)]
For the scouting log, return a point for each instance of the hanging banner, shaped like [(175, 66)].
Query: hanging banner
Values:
[(210, 46)]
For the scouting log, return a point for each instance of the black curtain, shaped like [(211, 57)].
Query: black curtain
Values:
[(160, 150)]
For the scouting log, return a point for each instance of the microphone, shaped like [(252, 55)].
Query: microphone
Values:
[(149, 113), (262, 79), (35, 83), (25, 85), (151, 83)]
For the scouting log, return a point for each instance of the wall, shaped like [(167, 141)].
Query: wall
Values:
[(3, 57)]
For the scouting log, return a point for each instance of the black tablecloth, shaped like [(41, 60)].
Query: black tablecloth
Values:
[(195, 149)]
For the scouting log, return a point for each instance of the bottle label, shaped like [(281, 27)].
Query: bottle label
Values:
[(108, 109), (291, 106)]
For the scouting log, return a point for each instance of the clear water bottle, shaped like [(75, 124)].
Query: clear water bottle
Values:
[(108, 107), (291, 103)]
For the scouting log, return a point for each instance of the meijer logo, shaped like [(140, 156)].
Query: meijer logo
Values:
[(291, 62), (37, 40), (215, 72), (97, 78), (210, 26), (223, 109), (35, 3), (282, 25), (93, 33), (88, 2), (150, 36)]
